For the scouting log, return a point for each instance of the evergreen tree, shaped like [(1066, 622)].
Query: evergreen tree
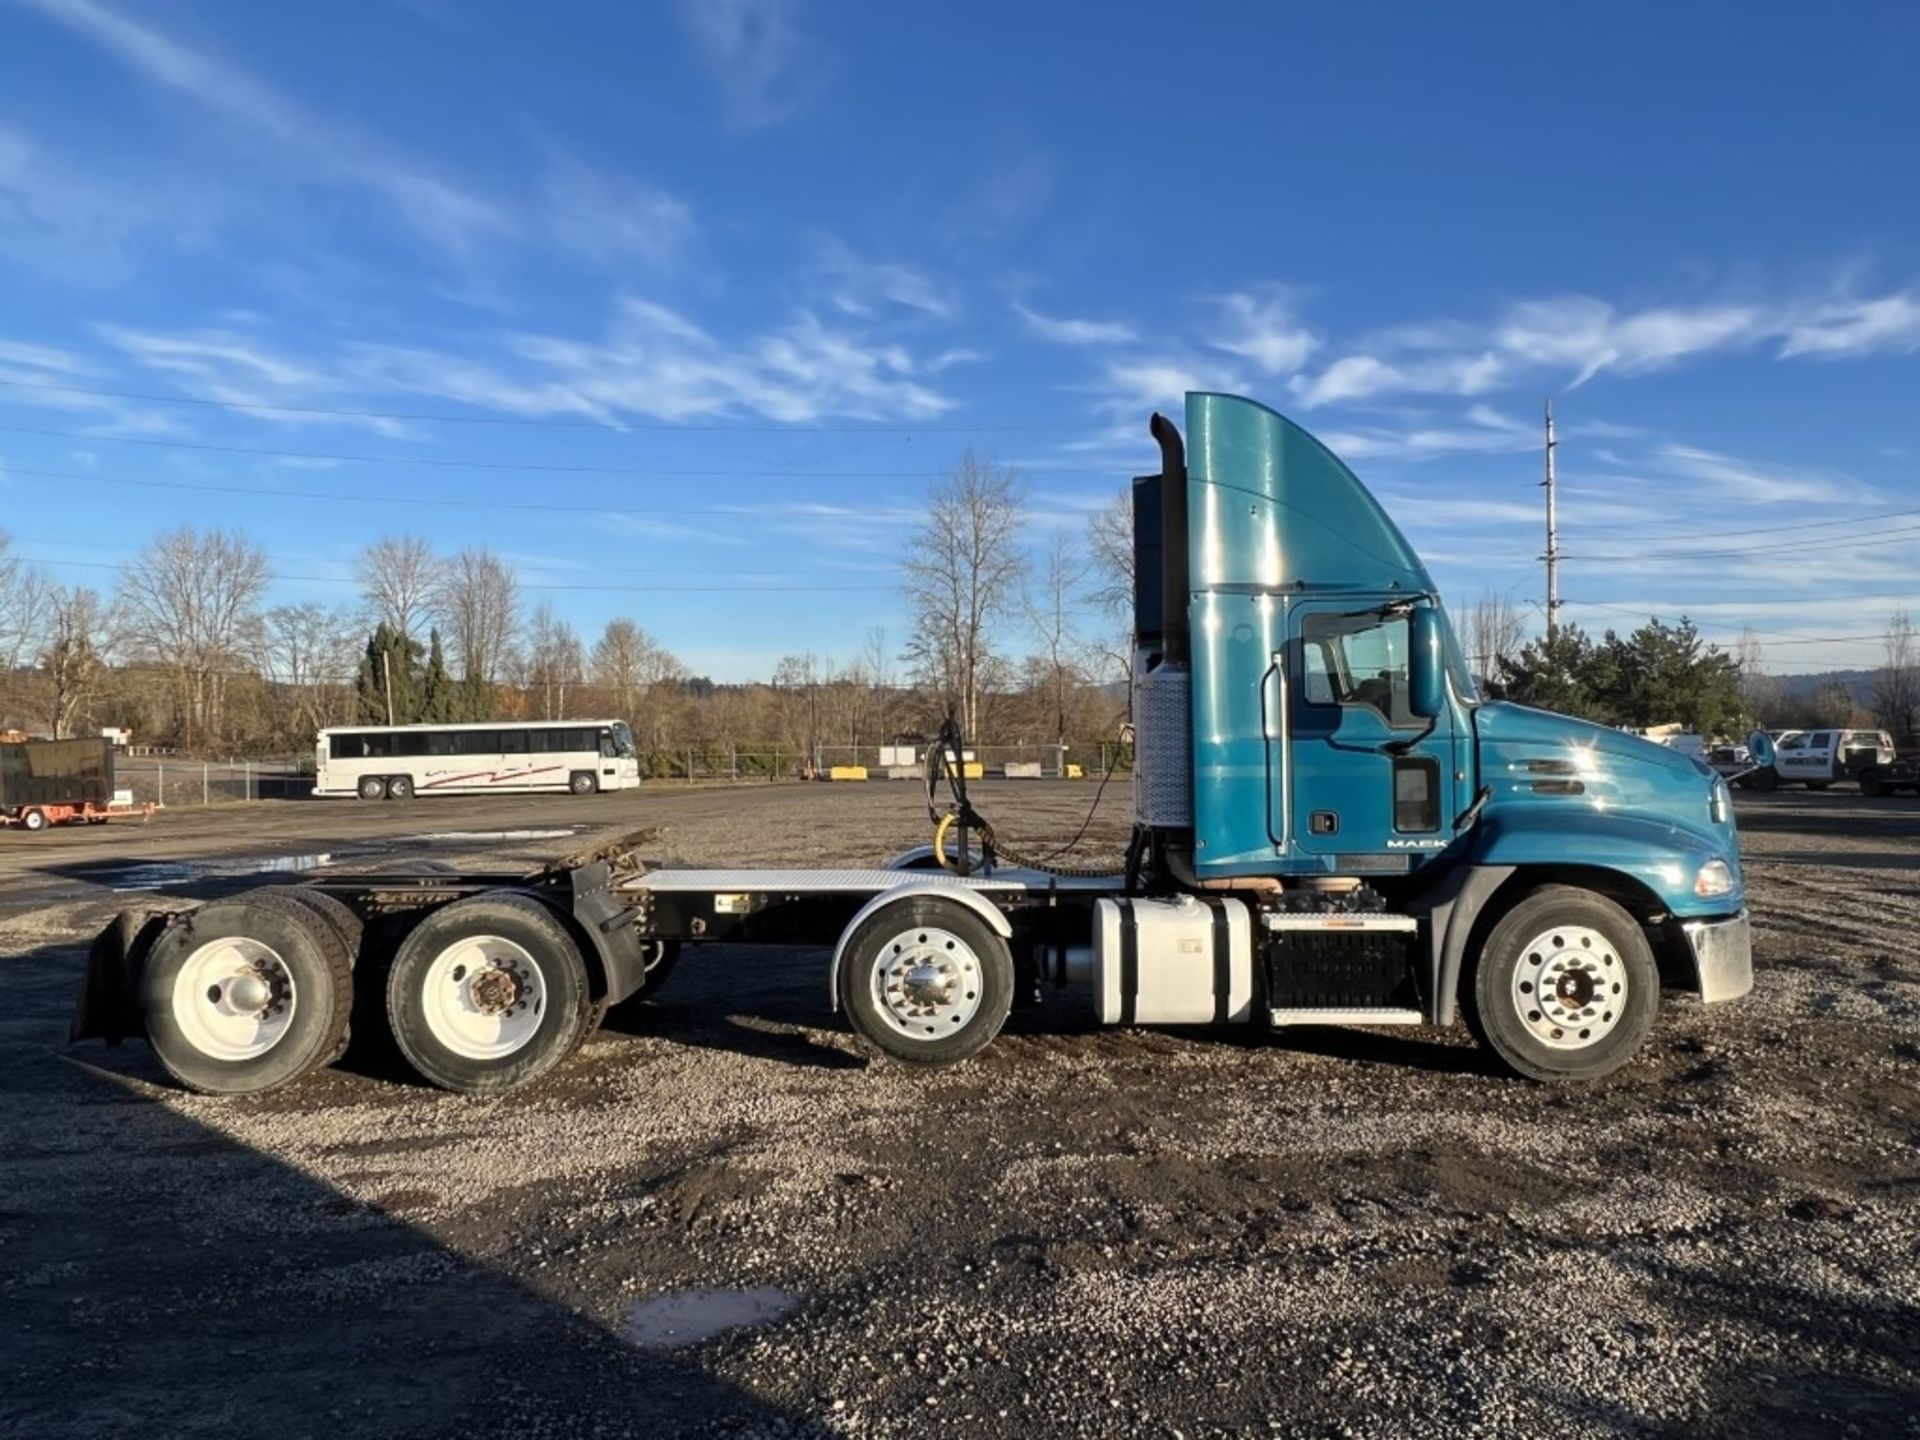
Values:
[(439, 701), (391, 662), (1658, 675), (475, 698)]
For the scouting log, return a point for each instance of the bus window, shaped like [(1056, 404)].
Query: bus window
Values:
[(513, 742), (476, 742)]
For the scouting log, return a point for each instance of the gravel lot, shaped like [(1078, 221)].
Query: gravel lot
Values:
[(1082, 1232)]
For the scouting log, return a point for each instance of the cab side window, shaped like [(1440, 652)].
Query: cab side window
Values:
[(1359, 662)]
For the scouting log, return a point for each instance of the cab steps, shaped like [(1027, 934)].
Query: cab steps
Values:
[(1345, 1015)]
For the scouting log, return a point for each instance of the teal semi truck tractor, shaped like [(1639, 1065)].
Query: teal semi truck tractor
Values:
[(1331, 827)]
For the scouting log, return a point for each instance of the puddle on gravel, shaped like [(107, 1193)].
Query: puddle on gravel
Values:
[(169, 874), (489, 837), (684, 1317)]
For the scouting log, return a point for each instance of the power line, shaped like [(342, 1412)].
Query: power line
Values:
[(739, 589), (1902, 536), (538, 422), (255, 492), (1776, 529), (541, 467)]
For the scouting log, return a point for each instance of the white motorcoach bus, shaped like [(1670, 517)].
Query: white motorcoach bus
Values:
[(397, 762)]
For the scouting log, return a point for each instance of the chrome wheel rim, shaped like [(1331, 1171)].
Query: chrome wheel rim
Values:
[(927, 983), (484, 997), (1570, 988), (234, 999)]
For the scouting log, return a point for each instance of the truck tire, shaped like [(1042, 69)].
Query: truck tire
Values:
[(372, 787), (338, 917), (399, 787), (34, 819), (1590, 960), (487, 994), (247, 994), (583, 782), (1872, 783), (1766, 779), (926, 981)]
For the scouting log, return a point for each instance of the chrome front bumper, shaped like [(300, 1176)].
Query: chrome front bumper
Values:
[(1722, 957)]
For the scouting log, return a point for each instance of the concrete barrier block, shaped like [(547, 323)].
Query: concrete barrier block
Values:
[(1023, 770), (847, 772)]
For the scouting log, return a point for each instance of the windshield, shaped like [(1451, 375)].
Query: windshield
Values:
[(622, 740)]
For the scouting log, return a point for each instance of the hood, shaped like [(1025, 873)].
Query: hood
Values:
[(1502, 723)]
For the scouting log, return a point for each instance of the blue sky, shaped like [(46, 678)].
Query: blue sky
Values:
[(718, 288)]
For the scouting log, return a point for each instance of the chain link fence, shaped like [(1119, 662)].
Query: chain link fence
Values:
[(174, 783)]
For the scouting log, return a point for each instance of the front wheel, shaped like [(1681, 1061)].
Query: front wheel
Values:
[(487, 994), (926, 981), (34, 819), (1565, 987), (582, 782)]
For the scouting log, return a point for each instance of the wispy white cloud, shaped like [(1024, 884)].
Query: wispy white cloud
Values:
[(1855, 327), (654, 362), (1762, 483), (767, 68), (857, 285), (439, 211), (1261, 327), (615, 220), (1066, 331)]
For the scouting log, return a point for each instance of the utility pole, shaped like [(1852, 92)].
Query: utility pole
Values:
[(386, 676), (1552, 557)]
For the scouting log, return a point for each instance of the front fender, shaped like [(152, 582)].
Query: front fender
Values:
[(942, 888), (1660, 855)]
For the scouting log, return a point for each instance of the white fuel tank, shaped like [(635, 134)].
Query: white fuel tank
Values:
[(1185, 961)]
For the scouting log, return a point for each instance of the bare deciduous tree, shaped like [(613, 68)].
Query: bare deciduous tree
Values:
[(629, 664), (308, 652), (1494, 633), (397, 577), (964, 568), (1758, 690), (1049, 603), (1110, 581), (555, 661), (476, 598), (191, 607), (75, 660), (1896, 688)]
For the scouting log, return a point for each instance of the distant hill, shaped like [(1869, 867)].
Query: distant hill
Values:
[(1857, 683)]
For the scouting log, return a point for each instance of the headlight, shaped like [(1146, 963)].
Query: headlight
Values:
[(1715, 878)]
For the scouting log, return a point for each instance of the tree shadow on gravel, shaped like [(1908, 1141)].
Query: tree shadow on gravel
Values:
[(1879, 1394), (758, 1001), (163, 1279)]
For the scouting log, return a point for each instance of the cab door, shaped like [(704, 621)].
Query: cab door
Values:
[(1807, 756), (1372, 783)]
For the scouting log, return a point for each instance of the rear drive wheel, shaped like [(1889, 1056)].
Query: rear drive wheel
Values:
[(400, 787), (348, 927), (487, 994), (1565, 987), (34, 819), (926, 981), (247, 994), (583, 782), (372, 787)]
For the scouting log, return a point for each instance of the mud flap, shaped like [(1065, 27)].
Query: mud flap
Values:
[(109, 1005)]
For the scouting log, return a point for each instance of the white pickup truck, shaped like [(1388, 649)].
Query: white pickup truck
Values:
[(1814, 758)]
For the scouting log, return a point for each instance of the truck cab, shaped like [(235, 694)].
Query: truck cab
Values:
[(1404, 843)]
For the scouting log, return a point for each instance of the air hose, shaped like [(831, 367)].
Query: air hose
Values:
[(962, 811)]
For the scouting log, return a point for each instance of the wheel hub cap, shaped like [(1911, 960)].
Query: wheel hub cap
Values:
[(234, 999), (1570, 987), (484, 996), (927, 983)]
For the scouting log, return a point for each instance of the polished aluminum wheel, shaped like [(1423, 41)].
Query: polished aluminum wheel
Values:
[(1569, 987), (927, 983)]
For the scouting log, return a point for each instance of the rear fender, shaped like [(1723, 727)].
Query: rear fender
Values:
[(109, 1004), (935, 889)]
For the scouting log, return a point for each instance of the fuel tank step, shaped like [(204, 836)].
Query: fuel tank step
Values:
[(1346, 1015)]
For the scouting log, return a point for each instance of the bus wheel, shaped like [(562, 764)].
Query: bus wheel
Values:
[(34, 819), (583, 782), (1565, 987), (926, 981), (487, 994), (400, 787), (247, 994), (372, 787)]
